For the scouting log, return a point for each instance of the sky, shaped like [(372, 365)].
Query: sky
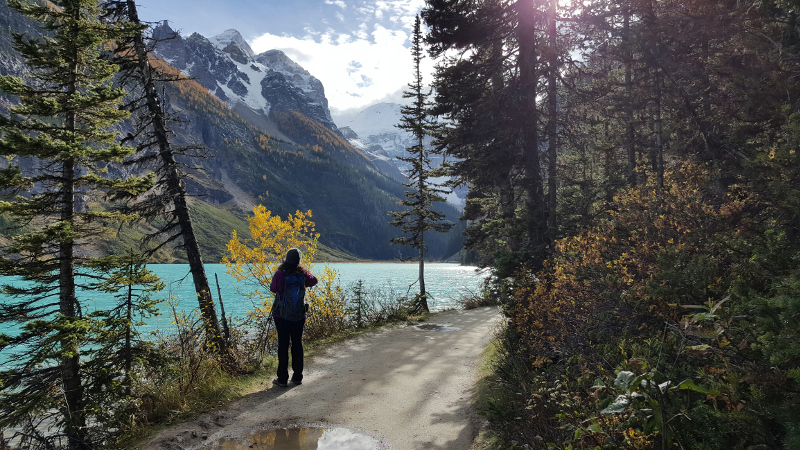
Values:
[(358, 49)]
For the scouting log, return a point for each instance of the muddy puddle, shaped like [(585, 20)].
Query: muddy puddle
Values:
[(299, 438), (435, 327)]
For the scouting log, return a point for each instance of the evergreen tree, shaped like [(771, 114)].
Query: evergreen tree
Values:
[(488, 92), (59, 133), (421, 216), (117, 349)]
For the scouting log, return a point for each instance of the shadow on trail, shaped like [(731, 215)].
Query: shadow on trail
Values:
[(412, 377)]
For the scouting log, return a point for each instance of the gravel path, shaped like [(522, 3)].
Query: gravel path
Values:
[(408, 386)]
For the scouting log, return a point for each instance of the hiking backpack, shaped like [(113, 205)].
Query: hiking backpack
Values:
[(292, 306)]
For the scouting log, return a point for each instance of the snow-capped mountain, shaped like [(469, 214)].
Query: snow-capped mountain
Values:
[(385, 163), (377, 125), (232, 42), (378, 119), (374, 131), (260, 87), (253, 85)]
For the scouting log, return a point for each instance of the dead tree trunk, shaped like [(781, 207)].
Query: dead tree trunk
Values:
[(172, 183)]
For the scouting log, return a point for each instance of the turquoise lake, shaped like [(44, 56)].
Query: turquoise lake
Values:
[(446, 284)]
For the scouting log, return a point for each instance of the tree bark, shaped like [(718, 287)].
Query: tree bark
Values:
[(70, 365), (423, 295), (129, 316), (528, 117), (552, 125)]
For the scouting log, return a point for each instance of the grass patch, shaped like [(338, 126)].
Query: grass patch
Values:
[(216, 391), (327, 254), (490, 399)]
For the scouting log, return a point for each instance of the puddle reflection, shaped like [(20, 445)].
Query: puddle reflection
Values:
[(300, 438)]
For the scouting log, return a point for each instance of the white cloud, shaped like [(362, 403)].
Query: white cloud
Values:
[(343, 39), (408, 8), (356, 70), (363, 32), (402, 12), (338, 3), (310, 33)]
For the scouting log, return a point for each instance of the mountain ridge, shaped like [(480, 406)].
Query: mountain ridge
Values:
[(267, 83), (300, 163)]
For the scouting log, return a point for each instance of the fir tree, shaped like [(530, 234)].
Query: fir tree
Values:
[(59, 133), (421, 216)]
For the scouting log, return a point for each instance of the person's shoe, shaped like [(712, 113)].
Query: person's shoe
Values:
[(280, 383), (297, 382)]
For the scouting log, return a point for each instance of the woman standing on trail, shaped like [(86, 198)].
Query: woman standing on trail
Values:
[(289, 284)]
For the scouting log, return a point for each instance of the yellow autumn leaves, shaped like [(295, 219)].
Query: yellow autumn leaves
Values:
[(255, 259), (259, 256)]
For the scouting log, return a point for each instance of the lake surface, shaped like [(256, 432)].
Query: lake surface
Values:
[(446, 284)]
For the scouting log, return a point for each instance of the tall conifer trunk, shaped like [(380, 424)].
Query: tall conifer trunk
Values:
[(528, 116), (552, 124), (423, 295), (70, 370), (507, 197)]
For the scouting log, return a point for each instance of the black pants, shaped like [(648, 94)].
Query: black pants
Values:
[(290, 331)]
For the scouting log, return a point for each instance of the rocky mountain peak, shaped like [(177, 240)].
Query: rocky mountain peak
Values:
[(348, 133), (263, 85), (232, 43), (278, 61), (164, 31)]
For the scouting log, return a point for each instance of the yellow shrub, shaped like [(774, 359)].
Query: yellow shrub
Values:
[(256, 259), (327, 306)]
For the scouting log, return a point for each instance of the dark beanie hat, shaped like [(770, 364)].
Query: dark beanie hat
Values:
[(293, 256)]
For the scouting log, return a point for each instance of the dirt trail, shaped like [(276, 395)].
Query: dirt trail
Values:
[(408, 386)]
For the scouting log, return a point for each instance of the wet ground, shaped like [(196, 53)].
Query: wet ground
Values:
[(300, 438)]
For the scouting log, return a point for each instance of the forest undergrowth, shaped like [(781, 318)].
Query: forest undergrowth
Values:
[(671, 323)]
